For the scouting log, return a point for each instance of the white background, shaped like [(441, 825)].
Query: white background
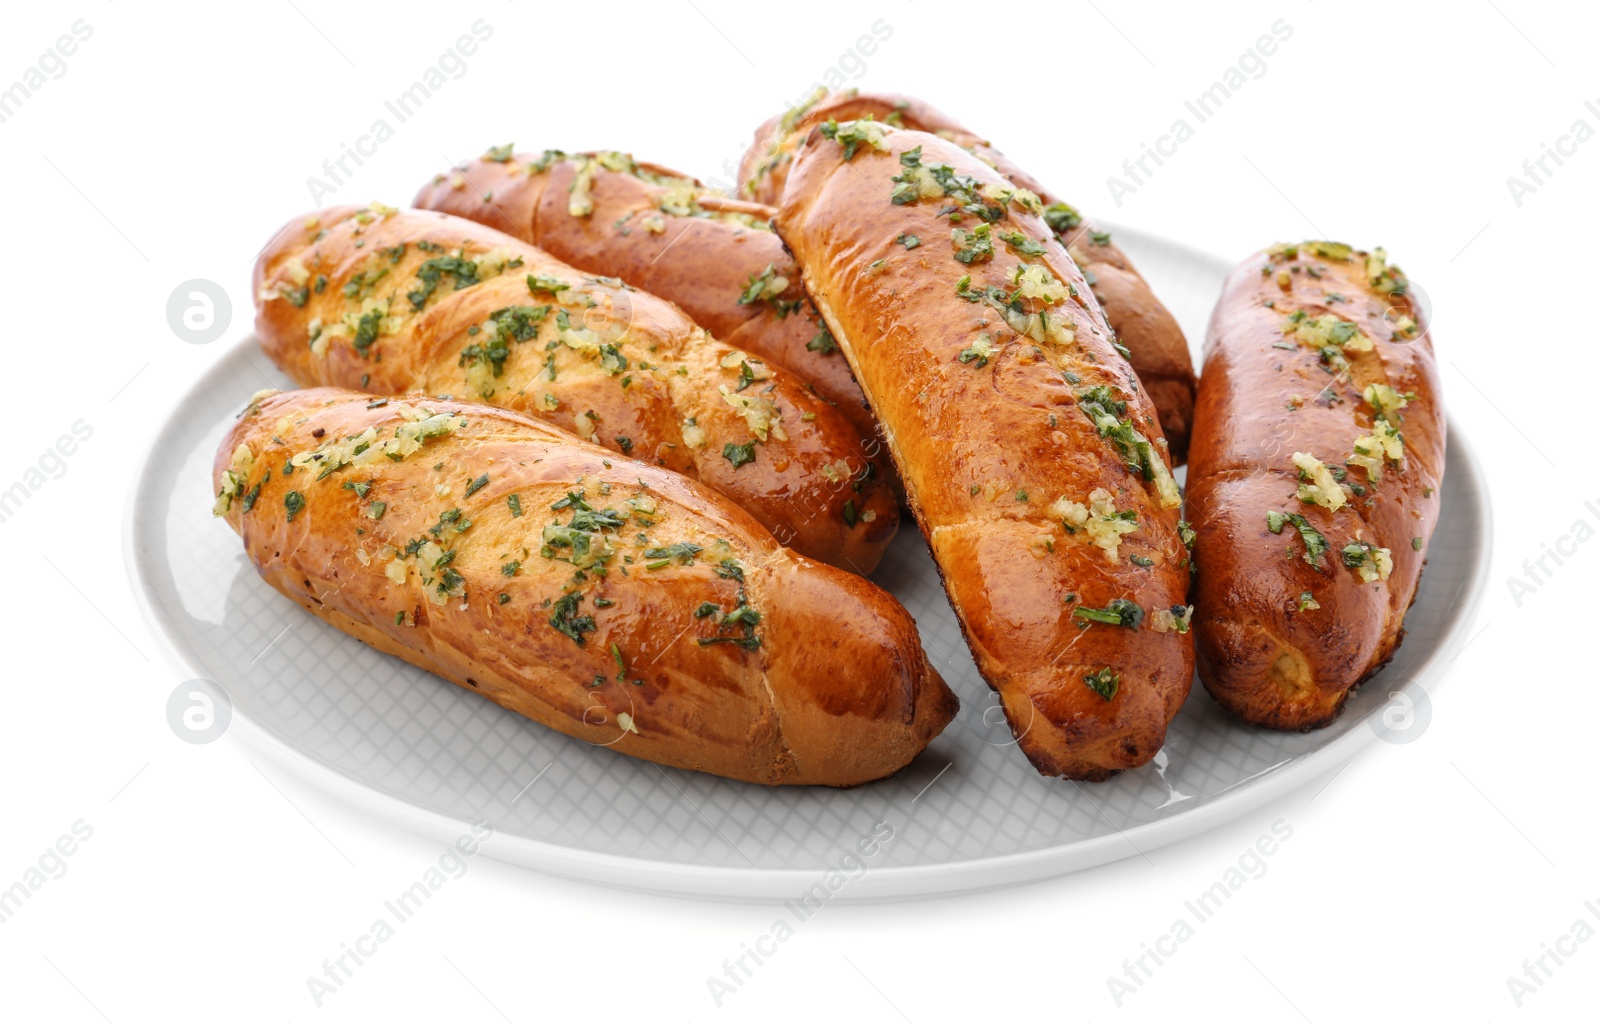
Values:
[(178, 139)]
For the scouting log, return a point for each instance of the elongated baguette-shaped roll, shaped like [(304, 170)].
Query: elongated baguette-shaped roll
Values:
[(610, 600), (1155, 342), (391, 302), (1314, 485), (665, 232), (1031, 458)]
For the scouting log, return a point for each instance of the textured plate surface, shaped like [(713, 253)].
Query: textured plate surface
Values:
[(968, 814)]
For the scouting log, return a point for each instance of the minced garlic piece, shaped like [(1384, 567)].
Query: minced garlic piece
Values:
[(836, 472), (1383, 399), (579, 338), (1003, 194), (579, 203), (1041, 326), (928, 186), (331, 455), (297, 271), (760, 413), (1369, 451), (693, 435), (1370, 563), (363, 557), (1163, 620), (396, 571), (625, 721), (1317, 485), (1036, 282), (678, 198), (420, 425), (494, 262), (1099, 520), (234, 479), (1327, 330)]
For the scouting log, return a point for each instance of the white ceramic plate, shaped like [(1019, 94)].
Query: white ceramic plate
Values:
[(970, 813)]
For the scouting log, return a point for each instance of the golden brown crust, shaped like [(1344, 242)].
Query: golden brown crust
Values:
[(666, 233), (1275, 384), (1156, 343), (987, 410), (343, 298), (1158, 351), (819, 680)]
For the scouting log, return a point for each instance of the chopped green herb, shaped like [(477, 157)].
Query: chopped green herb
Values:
[(682, 552), (1061, 217), (474, 486), (433, 271), (514, 502), (293, 502), (823, 341), (1103, 682), (908, 240), (1316, 544), (1022, 244), (1120, 612), (739, 454), (568, 622), (849, 513)]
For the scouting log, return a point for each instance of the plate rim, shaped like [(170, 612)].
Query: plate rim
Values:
[(774, 885)]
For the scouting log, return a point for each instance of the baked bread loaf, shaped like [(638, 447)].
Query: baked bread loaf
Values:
[(392, 302), (1155, 343), (610, 600), (1032, 459), (665, 232), (1314, 479)]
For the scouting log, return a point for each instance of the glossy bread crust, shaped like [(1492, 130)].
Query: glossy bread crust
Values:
[(1299, 347), (396, 301), (665, 232), (1004, 425), (1157, 349), (625, 605)]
